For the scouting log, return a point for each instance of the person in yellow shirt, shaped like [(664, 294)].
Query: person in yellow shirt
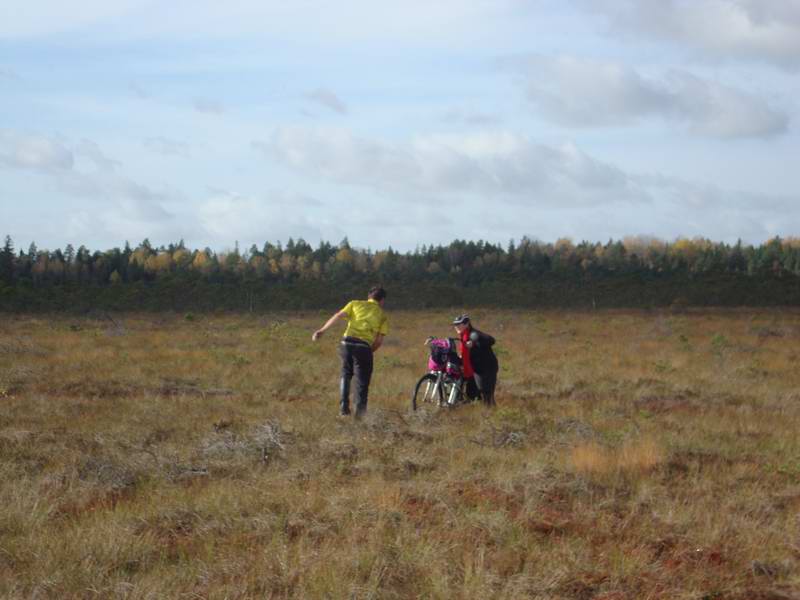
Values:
[(366, 327)]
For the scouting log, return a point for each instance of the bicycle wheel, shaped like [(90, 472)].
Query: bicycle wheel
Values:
[(426, 393)]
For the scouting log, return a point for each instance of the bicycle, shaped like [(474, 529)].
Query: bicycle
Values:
[(443, 384)]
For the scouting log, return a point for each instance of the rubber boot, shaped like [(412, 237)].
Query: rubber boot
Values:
[(344, 401), (361, 401), (361, 410)]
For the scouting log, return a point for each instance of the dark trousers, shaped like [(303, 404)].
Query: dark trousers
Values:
[(482, 385), (356, 358)]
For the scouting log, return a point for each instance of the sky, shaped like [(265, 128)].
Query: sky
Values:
[(397, 124)]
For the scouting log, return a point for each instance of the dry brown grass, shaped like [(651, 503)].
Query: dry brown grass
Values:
[(631, 459), (631, 455)]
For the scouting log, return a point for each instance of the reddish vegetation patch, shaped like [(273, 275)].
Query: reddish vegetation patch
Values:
[(111, 389), (559, 497), (584, 587), (99, 389), (175, 533), (549, 521), (675, 558), (611, 596), (97, 501), (294, 529), (419, 509), (581, 395), (683, 462), (662, 547), (756, 594), (664, 404), (788, 501), (476, 494)]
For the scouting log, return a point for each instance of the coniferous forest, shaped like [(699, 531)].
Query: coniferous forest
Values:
[(630, 273)]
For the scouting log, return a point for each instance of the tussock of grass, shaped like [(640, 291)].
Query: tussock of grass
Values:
[(630, 460)]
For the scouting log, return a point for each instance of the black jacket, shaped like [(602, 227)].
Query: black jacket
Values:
[(481, 355)]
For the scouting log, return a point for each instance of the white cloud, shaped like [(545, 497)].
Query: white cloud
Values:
[(229, 216), (764, 30), (587, 93), (138, 91), (493, 164), (32, 151), (92, 151), (117, 208), (132, 200), (56, 162), (100, 210), (713, 198), (721, 111), (692, 209), (119, 203), (509, 185), (347, 21), (46, 17), (328, 99), (46, 154), (167, 147), (337, 155), (469, 117), (207, 106), (9, 75)]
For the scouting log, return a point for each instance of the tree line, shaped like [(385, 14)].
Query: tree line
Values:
[(635, 271)]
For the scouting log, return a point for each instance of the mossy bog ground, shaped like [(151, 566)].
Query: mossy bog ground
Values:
[(631, 455)]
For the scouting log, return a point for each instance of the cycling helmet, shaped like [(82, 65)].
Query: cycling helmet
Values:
[(461, 320)]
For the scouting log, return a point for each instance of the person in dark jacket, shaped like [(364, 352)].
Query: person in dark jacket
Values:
[(479, 361)]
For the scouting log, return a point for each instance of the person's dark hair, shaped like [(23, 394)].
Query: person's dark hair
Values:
[(377, 293)]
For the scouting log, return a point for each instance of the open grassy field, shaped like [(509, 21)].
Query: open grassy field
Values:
[(631, 455)]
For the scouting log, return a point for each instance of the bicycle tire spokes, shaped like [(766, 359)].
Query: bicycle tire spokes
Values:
[(438, 388), (451, 395), (430, 391)]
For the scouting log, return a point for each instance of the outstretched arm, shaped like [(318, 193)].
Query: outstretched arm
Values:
[(329, 323)]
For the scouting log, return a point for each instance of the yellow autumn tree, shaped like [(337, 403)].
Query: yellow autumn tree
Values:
[(564, 246), (304, 266), (139, 257), (158, 264), (182, 258), (288, 264), (56, 268), (202, 263), (361, 262), (259, 265), (378, 259), (683, 248), (791, 242), (345, 256)]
